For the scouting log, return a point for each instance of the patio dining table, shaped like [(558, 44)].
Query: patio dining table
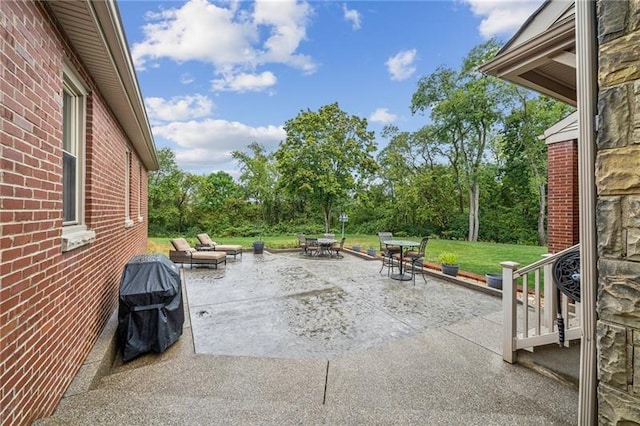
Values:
[(402, 244), (324, 246)]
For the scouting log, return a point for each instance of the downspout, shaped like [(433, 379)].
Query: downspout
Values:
[(586, 69)]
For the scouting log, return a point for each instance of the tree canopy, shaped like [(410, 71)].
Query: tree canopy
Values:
[(326, 155), (478, 155), (465, 108)]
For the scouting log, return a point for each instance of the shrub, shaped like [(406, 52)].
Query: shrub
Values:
[(448, 258)]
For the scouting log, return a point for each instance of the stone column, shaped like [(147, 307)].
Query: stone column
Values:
[(618, 212)]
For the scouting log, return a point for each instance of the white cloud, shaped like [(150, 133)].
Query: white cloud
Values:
[(178, 108), (401, 65), (287, 20), (352, 16), (206, 145), (186, 78), (502, 17), (245, 82), (196, 31), (227, 36), (382, 115)]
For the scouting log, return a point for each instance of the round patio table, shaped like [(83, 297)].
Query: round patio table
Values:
[(324, 245), (402, 244)]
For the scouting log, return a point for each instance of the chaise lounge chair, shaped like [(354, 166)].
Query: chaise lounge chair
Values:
[(183, 253), (207, 244)]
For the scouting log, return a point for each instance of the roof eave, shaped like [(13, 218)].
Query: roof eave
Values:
[(518, 63), (108, 32)]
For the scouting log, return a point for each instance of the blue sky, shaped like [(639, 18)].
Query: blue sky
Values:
[(216, 76)]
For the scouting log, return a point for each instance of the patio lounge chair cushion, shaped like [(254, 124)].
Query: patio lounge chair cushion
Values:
[(184, 253), (180, 244), (203, 256), (207, 242)]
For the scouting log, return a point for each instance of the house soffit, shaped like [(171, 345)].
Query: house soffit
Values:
[(94, 29), (541, 56)]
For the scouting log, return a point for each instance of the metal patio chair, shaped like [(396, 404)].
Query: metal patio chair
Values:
[(387, 252)]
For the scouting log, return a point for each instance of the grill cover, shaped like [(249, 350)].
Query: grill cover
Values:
[(150, 312)]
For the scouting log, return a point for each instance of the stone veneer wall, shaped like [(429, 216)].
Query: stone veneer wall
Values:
[(618, 212)]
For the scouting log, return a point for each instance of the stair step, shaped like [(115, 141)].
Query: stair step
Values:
[(559, 363)]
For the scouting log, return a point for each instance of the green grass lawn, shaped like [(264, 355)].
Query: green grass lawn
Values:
[(479, 258)]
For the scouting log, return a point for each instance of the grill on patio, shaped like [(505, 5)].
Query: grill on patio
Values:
[(150, 313)]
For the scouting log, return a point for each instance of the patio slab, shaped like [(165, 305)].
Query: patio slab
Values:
[(441, 371), (292, 306)]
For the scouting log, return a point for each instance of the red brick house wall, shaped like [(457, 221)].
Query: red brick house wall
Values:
[(53, 304), (562, 198)]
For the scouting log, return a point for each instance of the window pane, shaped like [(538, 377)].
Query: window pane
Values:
[(69, 187), (67, 123)]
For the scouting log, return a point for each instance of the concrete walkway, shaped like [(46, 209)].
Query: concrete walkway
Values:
[(283, 339)]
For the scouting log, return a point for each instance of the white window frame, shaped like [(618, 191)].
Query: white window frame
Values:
[(75, 233), (127, 188), (140, 218)]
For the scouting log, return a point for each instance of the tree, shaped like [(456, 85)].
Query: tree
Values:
[(419, 188), (523, 149), (259, 178), (465, 108), (169, 192), (326, 154), (210, 196)]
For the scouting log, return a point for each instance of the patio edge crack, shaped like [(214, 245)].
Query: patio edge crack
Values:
[(326, 382)]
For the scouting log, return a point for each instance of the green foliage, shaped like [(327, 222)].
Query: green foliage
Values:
[(465, 107), (479, 257), (170, 191), (524, 153), (326, 155), (448, 258), (259, 180), (479, 157)]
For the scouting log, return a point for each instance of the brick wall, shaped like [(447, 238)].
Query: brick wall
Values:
[(562, 199), (53, 305)]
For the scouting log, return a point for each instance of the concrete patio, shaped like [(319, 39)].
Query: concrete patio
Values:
[(285, 339)]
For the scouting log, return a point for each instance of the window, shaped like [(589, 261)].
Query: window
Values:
[(72, 139), (74, 232), (127, 189), (140, 218)]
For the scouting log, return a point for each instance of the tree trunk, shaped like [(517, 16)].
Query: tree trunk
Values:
[(542, 235), (474, 204), (326, 215), (460, 196)]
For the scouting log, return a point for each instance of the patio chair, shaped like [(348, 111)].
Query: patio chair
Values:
[(302, 243), (387, 251), (337, 248), (411, 255), (184, 253), (312, 246), (207, 243), (416, 267)]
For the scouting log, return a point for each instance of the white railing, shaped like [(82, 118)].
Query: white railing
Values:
[(529, 317)]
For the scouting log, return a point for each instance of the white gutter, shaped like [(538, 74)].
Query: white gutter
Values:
[(107, 15), (587, 91)]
